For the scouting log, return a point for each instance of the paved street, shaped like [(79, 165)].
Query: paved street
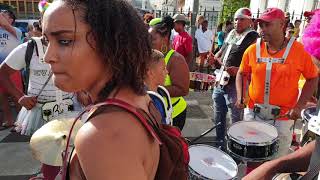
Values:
[(16, 162)]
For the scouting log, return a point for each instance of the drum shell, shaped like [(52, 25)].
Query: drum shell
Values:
[(253, 151), (200, 81), (306, 114), (193, 175)]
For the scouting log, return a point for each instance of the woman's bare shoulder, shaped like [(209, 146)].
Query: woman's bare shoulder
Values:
[(108, 141), (113, 126)]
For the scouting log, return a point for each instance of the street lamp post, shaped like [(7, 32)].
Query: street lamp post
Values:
[(194, 16)]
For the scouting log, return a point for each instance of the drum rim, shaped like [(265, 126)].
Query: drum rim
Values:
[(190, 73), (237, 169), (206, 178), (251, 159), (229, 136), (303, 110)]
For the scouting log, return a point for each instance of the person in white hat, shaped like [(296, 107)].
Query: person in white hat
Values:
[(229, 57)]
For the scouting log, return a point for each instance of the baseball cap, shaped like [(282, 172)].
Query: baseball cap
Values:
[(308, 14), (243, 13), (155, 21), (179, 17), (271, 14)]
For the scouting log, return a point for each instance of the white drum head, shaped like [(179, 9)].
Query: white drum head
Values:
[(253, 132), (308, 113), (211, 162), (284, 176)]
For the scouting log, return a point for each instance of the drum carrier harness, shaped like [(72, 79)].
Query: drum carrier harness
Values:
[(223, 76), (267, 111)]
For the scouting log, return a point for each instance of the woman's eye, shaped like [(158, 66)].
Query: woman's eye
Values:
[(65, 42)]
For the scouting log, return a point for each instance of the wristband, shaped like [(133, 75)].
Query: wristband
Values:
[(20, 99)]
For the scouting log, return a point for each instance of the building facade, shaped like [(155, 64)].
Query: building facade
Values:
[(24, 9), (296, 8)]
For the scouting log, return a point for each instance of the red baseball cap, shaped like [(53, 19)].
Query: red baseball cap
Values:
[(271, 14), (308, 14)]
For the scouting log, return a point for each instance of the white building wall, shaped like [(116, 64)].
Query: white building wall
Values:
[(296, 6)]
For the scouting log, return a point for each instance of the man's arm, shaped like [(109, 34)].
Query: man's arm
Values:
[(189, 49), (5, 72), (13, 63), (297, 161), (189, 58), (307, 91), (310, 72), (217, 56), (242, 78), (213, 40), (8, 27), (179, 74), (241, 87)]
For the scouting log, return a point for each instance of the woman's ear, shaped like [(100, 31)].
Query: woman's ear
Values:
[(149, 73)]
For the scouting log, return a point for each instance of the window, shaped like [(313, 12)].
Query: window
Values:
[(21, 6), (29, 6), (14, 3), (35, 6)]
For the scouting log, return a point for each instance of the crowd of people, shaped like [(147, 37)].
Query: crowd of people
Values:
[(143, 63)]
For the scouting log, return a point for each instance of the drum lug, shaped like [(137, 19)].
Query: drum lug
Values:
[(245, 151)]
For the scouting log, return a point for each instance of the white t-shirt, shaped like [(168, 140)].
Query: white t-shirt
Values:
[(8, 42), (204, 40), (39, 73)]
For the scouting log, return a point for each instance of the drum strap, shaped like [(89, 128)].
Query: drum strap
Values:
[(229, 47), (269, 62), (225, 57)]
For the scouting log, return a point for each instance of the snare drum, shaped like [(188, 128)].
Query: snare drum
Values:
[(207, 163), (201, 81), (287, 176), (252, 140), (306, 115)]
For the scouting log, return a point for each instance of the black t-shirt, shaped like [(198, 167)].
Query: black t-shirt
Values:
[(237, 51)]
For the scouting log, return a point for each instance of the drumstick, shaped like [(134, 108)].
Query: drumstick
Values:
[(45, 84)]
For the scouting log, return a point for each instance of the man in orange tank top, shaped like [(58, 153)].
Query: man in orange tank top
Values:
[(275, 65)]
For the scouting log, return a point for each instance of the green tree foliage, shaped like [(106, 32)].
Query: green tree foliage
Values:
[(230, 7)]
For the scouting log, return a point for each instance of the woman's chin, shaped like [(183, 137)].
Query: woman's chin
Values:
[(63, 83)]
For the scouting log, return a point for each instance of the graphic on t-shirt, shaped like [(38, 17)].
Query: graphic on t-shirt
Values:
[(4, 37), (8, 42)]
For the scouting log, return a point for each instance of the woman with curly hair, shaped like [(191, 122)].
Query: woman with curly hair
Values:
[(101, 47), (177, 80)]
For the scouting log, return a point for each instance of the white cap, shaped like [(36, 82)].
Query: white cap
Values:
[(243, 13)]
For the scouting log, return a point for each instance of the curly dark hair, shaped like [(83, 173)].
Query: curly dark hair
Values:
[(120, 38), (164, 27)]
